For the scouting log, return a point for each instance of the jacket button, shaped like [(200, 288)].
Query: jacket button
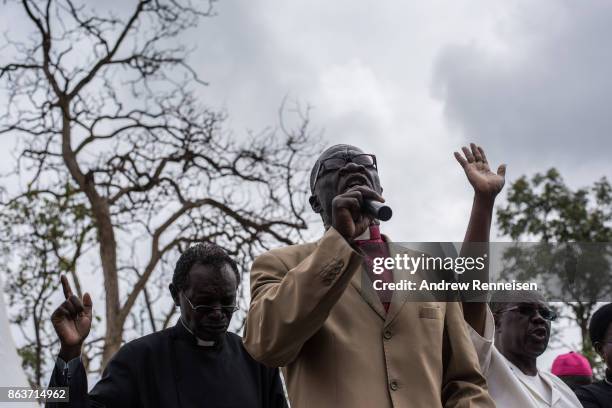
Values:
[(393, 385), (387, 334)]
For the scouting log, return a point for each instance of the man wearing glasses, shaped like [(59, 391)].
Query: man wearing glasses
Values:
[(514, 336), (196, 363), (338, 345)]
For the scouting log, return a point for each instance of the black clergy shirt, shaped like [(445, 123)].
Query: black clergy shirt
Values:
[(596, 395), (169, 369)]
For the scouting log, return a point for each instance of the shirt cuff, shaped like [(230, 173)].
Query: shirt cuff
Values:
[(67, 369)]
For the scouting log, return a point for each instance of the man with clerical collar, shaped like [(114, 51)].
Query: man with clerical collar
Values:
[(196, 363), (599, 394), (515, 333), (340, 347)]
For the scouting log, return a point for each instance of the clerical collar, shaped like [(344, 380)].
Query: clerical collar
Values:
[(199, 341)]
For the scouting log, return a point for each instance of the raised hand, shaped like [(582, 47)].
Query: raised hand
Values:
[(72, 321), (486, 183)]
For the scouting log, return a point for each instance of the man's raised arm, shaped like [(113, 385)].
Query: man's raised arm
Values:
[(486, 186)]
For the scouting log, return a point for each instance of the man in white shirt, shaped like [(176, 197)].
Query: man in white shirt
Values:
[(520, 331)]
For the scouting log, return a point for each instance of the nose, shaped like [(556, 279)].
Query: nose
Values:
[(537, 317), (216, 314), (351, 167)]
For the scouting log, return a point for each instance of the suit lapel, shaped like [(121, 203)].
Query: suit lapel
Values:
[(362, 284), (399, 297)]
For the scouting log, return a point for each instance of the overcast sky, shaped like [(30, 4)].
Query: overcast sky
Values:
[(413, 81)]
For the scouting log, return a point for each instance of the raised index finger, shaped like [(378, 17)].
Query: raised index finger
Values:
[(66, 286)]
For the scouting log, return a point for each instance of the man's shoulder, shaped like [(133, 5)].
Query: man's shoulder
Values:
[(550, 376), (236, 343), (290, 254), (147, 343), (592, 390), (558, 383)]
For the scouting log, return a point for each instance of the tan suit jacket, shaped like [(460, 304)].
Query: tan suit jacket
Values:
[(311, 315)]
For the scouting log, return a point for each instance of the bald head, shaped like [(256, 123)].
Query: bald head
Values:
[(329, 152), (502, 299)]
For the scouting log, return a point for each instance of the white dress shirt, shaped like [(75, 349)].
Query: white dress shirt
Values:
[(510, 387)]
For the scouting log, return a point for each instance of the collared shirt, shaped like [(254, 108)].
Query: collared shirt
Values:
[(199, 341), (511, 388), (372, 245)]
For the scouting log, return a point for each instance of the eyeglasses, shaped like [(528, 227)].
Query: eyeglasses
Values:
[(335, 163), (530, 311), (206, 309)]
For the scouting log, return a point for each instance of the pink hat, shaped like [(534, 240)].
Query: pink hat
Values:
[(571, 364)]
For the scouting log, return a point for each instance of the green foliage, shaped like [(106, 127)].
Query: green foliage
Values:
[(545, 209)]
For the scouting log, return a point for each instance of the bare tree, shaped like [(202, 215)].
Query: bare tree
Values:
[(120, 168)]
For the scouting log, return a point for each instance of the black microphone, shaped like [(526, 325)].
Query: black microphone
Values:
[(378, 210)]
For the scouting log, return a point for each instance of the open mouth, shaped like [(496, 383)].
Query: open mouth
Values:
[(354, 180), (540, 333)]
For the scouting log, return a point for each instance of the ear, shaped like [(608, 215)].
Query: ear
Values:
[(175, 294), (598, 346), (315, 204)]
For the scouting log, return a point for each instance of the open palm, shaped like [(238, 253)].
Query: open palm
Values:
[(477, 170)]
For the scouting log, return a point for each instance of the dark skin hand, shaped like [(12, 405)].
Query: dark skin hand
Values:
[(72, 322), (486, 186), (348, 217)]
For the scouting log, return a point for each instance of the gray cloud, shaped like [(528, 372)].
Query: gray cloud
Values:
[(542, 94)]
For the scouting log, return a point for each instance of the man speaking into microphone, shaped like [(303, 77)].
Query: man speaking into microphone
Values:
[(340, 347)]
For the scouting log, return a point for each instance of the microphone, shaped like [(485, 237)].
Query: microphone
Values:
[(378, 210)]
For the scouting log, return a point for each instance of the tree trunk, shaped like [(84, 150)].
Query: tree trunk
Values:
[(106, 239)]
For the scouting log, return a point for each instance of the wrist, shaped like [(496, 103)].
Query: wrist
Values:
[(68, 353), (485, 200)]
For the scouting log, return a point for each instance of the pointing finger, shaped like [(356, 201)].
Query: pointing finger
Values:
[(66, 286)]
